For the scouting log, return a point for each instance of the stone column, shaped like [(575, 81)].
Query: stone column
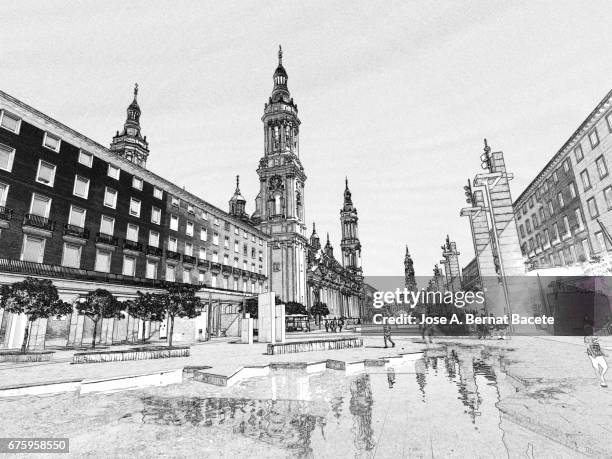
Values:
[(75, 333)]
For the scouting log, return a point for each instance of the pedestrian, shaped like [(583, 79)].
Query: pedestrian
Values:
[(597, 358), (387, 335), (340, 324), (327, 325), (333, 325)]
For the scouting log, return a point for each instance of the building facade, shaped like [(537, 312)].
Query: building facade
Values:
[(564, 213)]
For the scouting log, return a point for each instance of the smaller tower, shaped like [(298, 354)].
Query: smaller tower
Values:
[(315, 242), (409, 278), (237, 203), (329, 250), (130, 143), (350, 245)]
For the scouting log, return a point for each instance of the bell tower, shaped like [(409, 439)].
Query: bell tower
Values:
[(279, 206), (350, 245), (130, 143)]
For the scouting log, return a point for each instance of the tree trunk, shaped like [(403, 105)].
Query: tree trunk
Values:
[(95, 330), (171, 331), (144, 327), (26, 336)]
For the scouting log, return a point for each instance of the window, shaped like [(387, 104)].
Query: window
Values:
[(226, 260), (601, 242), (113, 172), (586, 249), (71, 257), (593, 211), (244, 265), (236, 247), (244, 234), (7, 155), (52, 142), (41, 205), (172, 244), (586, 181), (158, 193), (216, 238), (204, 215), (110, 198), (174, 221), (10, 122), (203, 234), (551, 209), (77, 216), (189, 229), (201, 277), (253, 238), (215, 257), (560, 199), (572, 189), (593, 138), (186, 276), (542, 215), (538, 240), (45, 173), (134, 207), (33, 249), (235, 262), (225, 282), (546, 236), (107, 225), (236, 230), (132, 232), (578, 153), (555, 232), (260, 256), (602, 169), (609, 121), (244, 250), (216, 221), (170, 274), (137, 183), (528, 226), (103, 261), (3, 193), (190, 209), (81, 187), (85, 158), (202, 253), (175, 201), (524, 209), (534, 219), (261, 242), (188, 248), (579, 219), (555, 177), (213, 280), (151, 272), (566, 226), (153, 238), (129, 266), (566, 165), (155, 215), (226, 242), (607, 195)]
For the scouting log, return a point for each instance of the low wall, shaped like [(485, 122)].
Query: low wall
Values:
[(131, 354), (308, 346), (30, 356)]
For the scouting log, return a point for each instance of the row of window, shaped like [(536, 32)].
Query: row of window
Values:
[(544, 238)]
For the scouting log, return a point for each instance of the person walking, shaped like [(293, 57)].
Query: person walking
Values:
[(340, 324), (327, 325), (387, 335), (597, 357)]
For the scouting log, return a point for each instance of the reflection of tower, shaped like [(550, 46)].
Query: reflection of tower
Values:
[(130, 143), (409, 278), (361, 408), (279, 206), (351, 247)]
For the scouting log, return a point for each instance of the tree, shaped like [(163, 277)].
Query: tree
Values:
[(319, 309), (36, 298), (252, 306), (293, 307), (100, 304), (180, 301), (146, 306)]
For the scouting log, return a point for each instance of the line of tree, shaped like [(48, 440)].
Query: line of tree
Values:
[(319, 310)]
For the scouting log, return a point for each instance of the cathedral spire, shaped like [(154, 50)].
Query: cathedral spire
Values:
[(315, 242), (409, 278), (280, 91), (130, 143), (348, 201), (237, 203)]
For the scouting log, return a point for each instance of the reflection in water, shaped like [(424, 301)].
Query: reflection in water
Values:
[(361, 409)]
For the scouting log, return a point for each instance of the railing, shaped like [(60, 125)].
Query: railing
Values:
[(172, 255), (204, 263), (6, 213), (156, 251), (107, 239), (189, 259), (132, 245), (39, 222), (76, 231), (215, 266)]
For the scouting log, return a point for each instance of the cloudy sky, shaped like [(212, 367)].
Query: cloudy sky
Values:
[(397, 96)]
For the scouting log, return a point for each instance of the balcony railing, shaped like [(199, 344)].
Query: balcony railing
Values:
[(172, 255), (39, 222), (204, 263), (216, 266), (132, 245), (155, 251), (189, 259), (6, 213), (107, 239), (76, 231)]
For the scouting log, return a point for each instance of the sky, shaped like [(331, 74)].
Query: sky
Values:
[(396, 96)]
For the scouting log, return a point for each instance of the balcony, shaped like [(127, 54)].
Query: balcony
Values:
[(76, 231), (189, 259), (204, 263), (36, 221), (155, 251), (215, 266), (106, 239), (132, 245), (172, 255), (6, 213)]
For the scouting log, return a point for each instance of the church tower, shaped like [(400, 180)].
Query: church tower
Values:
[(409, 278), (350, 245), (279, 206), (237, 203), (130, 143)]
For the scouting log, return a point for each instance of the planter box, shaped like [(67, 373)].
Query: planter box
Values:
[(318, 345), (30, 356), (135, 353)]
